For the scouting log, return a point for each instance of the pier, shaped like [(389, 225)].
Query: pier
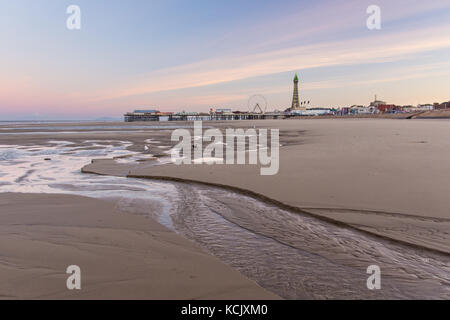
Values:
[(164, 116)]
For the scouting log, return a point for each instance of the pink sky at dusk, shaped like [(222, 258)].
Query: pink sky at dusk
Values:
[(125, 60)]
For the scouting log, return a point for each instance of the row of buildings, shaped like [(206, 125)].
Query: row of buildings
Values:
[(378, 106), (298, 108)]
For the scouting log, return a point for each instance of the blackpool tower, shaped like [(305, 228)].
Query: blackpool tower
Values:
[(295, 101)]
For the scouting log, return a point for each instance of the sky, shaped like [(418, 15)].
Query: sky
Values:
[(175, 55)]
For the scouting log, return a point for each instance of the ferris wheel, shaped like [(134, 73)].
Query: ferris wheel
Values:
[(257, 104)]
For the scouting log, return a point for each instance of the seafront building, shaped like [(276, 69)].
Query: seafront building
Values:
[(376, 103), (355, 109)]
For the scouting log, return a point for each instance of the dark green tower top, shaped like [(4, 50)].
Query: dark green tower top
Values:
[(296, 78)]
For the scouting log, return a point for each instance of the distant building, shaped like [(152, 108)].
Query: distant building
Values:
[(296, 104), (223, 111), (146, 111), (363, 110), (377, 103), (142, 115), (186, 113), (389, 108), (343, 111), (313, 112), (425, 107), (418, 108), (295, 100), (381, 106), (442, 106)]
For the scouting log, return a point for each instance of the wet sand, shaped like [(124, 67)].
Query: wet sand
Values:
[(121, 256), (387, 177)]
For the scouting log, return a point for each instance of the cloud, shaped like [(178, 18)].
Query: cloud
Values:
[(298, 40), (373, 48)]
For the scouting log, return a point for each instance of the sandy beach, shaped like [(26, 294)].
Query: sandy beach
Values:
[(384, 176), (260, 155), (121, 256), (365, 191)]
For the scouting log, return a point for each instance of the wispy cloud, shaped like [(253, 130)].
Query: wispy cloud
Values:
[(369, 49)]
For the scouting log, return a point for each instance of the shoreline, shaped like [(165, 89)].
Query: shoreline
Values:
[(443, 114)]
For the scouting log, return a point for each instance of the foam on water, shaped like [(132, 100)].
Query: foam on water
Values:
[(57, 169)]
